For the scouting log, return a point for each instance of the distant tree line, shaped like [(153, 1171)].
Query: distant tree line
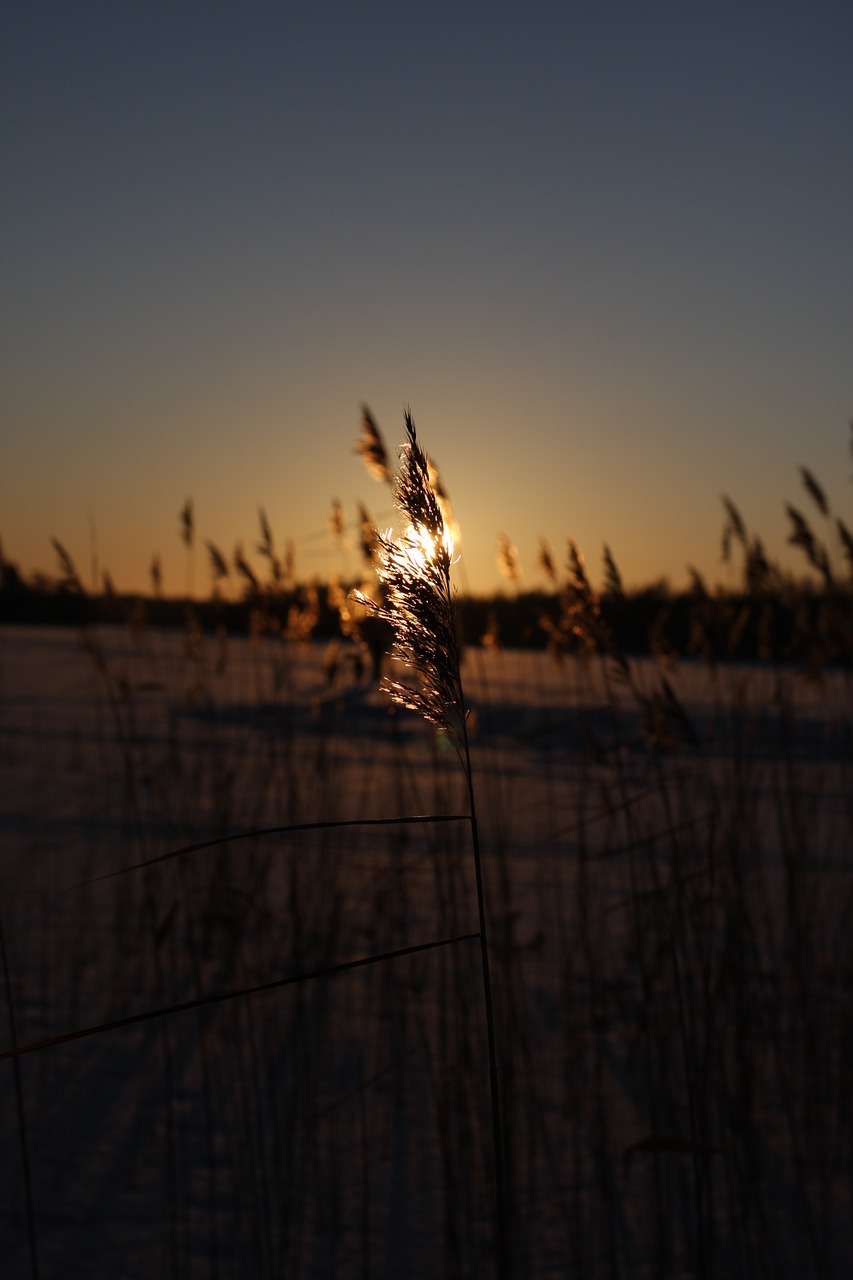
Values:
[(801, 622)]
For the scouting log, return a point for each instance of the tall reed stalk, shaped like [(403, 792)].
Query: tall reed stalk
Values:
[(414, 573)]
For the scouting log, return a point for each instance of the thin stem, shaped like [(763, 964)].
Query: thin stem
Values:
[(220, 997), (415, 572), (494, 1083), (464, 752)]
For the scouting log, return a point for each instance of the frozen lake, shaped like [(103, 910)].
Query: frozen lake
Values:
[(669, 873)]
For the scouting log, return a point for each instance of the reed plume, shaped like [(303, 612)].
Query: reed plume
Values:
[(613, 584), (414, 573), (507, 559), (366, 534), (734, 528), (155, 572), (219, 568), (187, 522), (545, 560), (815, 491), (371, 448), (246, 571), (71, 580), (336, 523), (442, 497), (802, 536)]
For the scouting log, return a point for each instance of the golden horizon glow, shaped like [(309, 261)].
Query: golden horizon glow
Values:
[(598, 334)]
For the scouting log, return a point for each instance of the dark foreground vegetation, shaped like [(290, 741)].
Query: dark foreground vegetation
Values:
[(245, 1032)]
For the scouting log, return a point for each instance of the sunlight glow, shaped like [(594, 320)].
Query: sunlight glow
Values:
[(423, 549)]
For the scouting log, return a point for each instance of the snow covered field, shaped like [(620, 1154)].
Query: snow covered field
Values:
[(669, 869)]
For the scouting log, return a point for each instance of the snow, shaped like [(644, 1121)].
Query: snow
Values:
[(668, 905)]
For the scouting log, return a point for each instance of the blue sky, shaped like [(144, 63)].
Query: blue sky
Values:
[(603, 251)]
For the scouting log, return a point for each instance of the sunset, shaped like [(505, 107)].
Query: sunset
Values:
[(604, 257), (426, 584)]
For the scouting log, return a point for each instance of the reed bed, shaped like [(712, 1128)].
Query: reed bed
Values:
[(667, 879)]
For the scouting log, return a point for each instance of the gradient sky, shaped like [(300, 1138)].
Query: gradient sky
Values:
[(603, 250)]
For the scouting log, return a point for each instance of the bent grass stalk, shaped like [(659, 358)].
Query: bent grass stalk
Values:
[(414, 574), (220, 997)]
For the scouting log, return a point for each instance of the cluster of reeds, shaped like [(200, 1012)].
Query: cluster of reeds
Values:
[(267, 994), (773, 614)]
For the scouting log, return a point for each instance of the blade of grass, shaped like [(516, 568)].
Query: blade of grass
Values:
[(292, 828), (220, 997)]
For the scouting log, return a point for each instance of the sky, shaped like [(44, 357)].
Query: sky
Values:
[(603, 251)]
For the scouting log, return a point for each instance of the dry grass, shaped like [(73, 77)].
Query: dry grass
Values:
[(286, 1066)]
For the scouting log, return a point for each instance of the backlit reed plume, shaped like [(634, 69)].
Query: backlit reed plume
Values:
[(414, 573), (442, 497), (371, 448)]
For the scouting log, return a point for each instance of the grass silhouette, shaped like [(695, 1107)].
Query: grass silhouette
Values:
[(245, 944)]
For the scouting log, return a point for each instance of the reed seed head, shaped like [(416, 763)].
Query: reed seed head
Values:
[(187, 522), (371, 448), (507, 559), (414, 572)]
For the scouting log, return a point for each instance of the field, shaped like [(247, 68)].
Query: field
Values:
[(669, 883)]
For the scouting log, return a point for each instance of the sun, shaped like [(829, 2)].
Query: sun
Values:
[(424, 549)]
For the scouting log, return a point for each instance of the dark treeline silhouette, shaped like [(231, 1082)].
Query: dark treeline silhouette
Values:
[(797, 622)]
